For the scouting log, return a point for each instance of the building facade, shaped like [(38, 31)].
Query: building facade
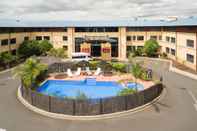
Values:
[(178, 40)]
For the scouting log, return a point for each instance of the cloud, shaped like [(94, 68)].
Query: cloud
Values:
[(93, 10)]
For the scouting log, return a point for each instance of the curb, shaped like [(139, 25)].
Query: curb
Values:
[(87, 118)]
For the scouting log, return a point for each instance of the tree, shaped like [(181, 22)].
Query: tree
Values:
[(30, 48), (60, 52), (24, 50), (29, 71), (136, 71), (44, 46), (6, 58), (151, 47)]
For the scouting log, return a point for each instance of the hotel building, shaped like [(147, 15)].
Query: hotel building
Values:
[(178, 38)]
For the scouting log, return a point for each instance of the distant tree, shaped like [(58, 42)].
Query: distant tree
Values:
[(151, 47), (44, 46), (30, 48), (6, 58), (60, 52)]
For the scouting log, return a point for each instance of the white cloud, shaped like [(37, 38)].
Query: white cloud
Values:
[(93, 10)]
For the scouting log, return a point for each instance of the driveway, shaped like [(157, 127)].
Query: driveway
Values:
[(175, 112)]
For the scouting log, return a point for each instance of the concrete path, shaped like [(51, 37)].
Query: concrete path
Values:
[(176, 112)]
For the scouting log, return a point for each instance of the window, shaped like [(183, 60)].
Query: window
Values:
[(167, 50), (26, 38), (190, 58), (65, 38), (167, 39), (190, 43), (173, 52), (131, 29), (38, 37), (13, 41), (46, 38), (140, 38), (173, 40), (153, 37), (134, 38), (160, 37), (96, 29), (128, 38), (4, 42)]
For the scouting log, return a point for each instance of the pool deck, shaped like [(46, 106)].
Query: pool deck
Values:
[(125, 77)]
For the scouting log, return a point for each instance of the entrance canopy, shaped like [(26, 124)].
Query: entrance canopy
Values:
[(102, 39)]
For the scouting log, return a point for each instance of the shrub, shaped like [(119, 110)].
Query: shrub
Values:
[(60, 52), (94, 64), (136, 70), (44, 46), (164, 55), (105, 66), (151, 47), (6, 58), (121, 67), (138, 52), (126, 92), (144, 76)]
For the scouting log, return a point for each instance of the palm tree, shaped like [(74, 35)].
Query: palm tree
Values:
[(29, 71), (136, 71)]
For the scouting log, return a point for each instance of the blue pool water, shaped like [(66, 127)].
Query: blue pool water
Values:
[(100, 89)]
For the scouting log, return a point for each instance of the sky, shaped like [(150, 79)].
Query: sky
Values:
[(95, 9)]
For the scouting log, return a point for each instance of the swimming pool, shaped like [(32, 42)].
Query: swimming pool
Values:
[(66, 88)]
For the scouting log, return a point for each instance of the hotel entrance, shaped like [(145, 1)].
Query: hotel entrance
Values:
[(96, 49), (97, 46)]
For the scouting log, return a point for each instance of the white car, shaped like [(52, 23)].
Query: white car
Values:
[(79, 56)]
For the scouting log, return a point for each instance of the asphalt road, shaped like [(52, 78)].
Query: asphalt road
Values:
[(175, 112)]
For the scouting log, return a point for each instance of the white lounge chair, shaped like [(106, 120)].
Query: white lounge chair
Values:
[(78, 72), (69, 73), (88, 71), (97, 72)]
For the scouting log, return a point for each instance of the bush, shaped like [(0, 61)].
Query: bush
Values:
[(138, 52), (60, 52), (93, 64), (6, 58), (44, 46), (105, 66), (121, 67), (136, 70), (151, 47), (164, 55), (144, 76), (126, 92)]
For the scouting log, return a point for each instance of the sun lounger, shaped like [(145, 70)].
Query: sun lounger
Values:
[(97, 72), (88, 71), (69, 73), (78, 72)]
